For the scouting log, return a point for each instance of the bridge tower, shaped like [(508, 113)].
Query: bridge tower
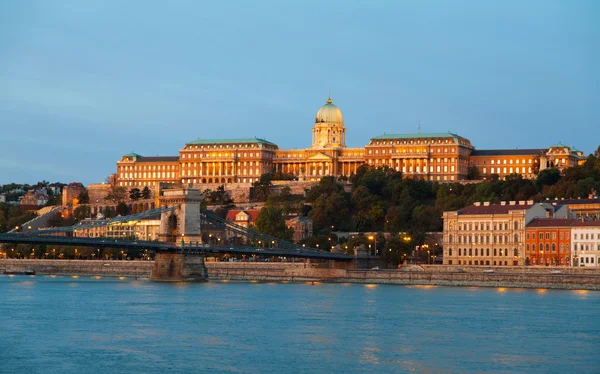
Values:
[(183, 224), (180, 226)]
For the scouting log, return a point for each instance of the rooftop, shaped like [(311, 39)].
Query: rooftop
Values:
[(158, 159), (552, 222), (580, 223), (574, 201), (417, 136), (230, 141), (252, 213), (492, 209), (507, 152)]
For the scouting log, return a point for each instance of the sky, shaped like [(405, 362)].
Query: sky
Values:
[(84, 82)]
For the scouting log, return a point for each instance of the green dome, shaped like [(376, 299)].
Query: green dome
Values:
[(329, 113)]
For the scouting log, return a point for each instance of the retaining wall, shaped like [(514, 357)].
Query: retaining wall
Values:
[(81, 267), (521, 277)]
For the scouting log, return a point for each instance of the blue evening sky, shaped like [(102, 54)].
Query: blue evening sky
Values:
[(84, 82)]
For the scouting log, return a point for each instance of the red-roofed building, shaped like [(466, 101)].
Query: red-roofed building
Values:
[(241, 218), (492, 234), (548, 242)]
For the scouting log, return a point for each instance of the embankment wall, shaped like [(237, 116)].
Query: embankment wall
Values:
[(81, 267), (530, 277)]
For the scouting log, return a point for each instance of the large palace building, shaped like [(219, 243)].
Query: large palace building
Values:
[(443, 157)]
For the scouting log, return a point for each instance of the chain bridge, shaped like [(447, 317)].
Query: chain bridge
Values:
[(179, 249)]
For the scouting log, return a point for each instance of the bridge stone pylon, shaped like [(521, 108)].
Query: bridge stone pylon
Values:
[(183, 223)]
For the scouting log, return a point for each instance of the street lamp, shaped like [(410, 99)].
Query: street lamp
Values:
[(98, 253), (371, 237), (121, 255)]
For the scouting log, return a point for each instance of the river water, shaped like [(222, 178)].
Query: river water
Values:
[(105, 325)]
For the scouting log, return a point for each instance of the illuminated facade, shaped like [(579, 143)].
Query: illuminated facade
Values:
[(548, 242), (491, 234), (443, 157), (585, 241)]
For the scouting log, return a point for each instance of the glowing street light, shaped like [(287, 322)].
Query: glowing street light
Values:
[(371, 237)]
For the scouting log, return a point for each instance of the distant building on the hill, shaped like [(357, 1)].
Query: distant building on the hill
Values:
[(443, 157)]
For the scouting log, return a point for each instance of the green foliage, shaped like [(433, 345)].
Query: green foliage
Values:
[(12, 216), (83, 197), (395, 251), (116, 195), (261, 188), (218, 197), (146, 193), (473, 173), (290, 203), (548, 177), (82, 212), (270, 222), (122, 209), (135, 194)]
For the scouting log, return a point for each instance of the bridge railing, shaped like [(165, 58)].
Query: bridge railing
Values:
[(247, 232)]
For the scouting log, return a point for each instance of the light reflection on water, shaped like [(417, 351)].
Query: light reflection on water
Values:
[(73, 325)]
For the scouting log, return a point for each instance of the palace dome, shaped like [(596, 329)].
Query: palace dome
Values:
[(329, 113)]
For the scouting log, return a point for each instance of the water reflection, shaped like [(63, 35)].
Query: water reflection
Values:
[(240, 327)]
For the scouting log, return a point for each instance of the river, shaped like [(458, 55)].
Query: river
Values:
[(104, 325)]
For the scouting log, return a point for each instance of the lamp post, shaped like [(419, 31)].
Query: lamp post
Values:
[(371, 237), (98, 253)]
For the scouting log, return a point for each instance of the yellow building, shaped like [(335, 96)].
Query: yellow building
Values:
[(443, 157), (492, 234)]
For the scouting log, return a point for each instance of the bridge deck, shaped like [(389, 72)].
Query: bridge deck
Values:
[(20, 238)]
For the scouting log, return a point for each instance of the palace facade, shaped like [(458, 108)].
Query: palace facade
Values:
[(443, 157)]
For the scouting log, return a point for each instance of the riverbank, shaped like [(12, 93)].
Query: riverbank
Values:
[(439, 275)]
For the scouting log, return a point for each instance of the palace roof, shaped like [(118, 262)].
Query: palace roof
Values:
[(507, 152), (230, 141), (417, 136), (158, 159)]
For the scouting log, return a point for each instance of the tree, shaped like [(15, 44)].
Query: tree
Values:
[(394, 251), (83, 197), (116, 195), (270, 222), (82, 212), (146, 193), (261, 188), (122, 209), (548, 177), (135, 194)]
